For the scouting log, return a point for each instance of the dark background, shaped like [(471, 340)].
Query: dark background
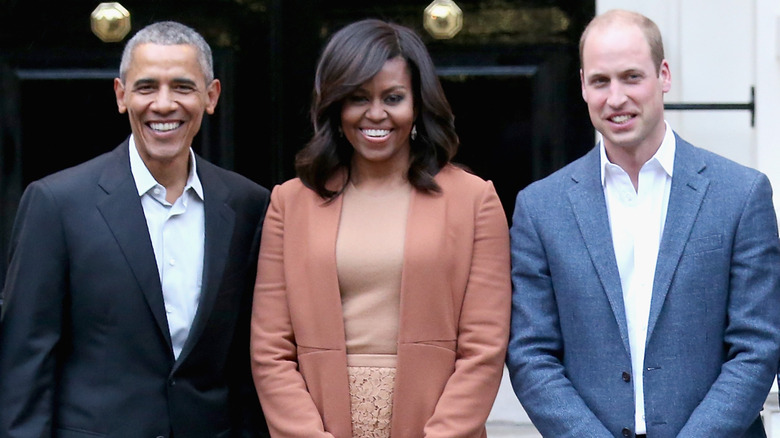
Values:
[(511, 76)]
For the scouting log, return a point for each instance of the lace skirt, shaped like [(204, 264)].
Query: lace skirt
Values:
[(371, 391)]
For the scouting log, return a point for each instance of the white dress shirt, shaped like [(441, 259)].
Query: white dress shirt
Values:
[(177, 232), (637, 218)]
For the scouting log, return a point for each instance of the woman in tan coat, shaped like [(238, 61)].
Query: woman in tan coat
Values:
[(382, 301)]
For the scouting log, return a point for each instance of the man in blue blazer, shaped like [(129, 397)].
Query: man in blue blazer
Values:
[(646, 273), (128, 292)]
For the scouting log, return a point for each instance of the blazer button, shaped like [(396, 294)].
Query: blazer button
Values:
[(171, 383), (626, 377)]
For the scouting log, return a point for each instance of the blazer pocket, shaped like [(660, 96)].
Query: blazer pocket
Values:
[(704, 244), (444, 344), (302, 350)]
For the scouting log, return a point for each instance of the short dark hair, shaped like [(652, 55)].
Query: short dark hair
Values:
[(352, 56), (169, 33)]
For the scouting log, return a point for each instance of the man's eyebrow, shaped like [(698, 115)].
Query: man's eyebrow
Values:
[(595, 75), (144, 81), (184, 81)]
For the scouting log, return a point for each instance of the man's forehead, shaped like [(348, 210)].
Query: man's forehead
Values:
[(617, 45), (151, 61), (165, 52)]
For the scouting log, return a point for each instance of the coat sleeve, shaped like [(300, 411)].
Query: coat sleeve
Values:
[(289, 409), (483, 328), (34, 301), (534, 357), (245, 407), (752, 335)]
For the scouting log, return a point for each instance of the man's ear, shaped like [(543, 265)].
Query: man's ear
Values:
[(119, 91), (665, 75), (213, 90)]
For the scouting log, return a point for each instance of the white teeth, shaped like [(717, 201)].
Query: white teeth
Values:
[(376, 132), (164, 126), (621, 119)]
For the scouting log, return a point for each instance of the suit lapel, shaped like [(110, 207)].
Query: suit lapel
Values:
[(122, 211), (219, 224), (590, 210), (685, 198)]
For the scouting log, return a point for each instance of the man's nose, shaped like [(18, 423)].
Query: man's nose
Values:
[(617, 95), (164, 100)]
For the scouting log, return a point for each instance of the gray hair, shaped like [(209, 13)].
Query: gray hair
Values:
[(169, 33)]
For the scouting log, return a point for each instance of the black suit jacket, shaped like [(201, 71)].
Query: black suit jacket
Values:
[(85, 349)]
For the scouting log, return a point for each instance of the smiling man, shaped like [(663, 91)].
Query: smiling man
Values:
[(129, 288), (646, 274)]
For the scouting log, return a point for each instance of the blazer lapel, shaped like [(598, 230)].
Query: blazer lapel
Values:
[(219, 223), (322, 274), (122, 211), (422, 241), (685, 198), (590, 210)]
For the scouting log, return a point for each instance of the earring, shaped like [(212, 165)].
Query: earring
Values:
[(341, 132), (414, 132)]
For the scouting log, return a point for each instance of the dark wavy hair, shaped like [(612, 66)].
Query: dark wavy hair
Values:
[(352, 56)]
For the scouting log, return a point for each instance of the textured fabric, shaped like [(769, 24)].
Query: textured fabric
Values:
[(713, 328), (371, 396)]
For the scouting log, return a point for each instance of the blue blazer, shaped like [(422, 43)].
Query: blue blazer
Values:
[(85, 349), (714, 326)]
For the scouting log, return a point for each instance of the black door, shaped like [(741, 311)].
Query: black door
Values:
[(510, 75)]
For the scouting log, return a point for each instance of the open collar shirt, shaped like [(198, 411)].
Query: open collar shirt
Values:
[(636, 219), (178, 233)]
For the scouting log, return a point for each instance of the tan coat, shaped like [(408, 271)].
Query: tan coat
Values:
[(454, 317)]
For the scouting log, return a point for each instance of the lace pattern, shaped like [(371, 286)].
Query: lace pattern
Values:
[(371, 391)]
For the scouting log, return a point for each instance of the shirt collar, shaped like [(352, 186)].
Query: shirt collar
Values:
[(144, 181), (664, 155)]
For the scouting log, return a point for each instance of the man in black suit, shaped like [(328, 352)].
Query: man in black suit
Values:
[(128, 291)]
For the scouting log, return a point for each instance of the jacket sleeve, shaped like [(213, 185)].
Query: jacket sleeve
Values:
[(245, 407), (752, 335), (289, 409), (34, 301), (536, 341), (483, 328)]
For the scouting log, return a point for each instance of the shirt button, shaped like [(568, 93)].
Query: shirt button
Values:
[(156, 191), (626, 377), (172, 262)]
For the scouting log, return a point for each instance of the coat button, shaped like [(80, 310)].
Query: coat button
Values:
[(626, 432), (626, 377), (172, 382)]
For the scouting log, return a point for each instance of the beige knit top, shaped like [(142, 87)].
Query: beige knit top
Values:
[(369, 257)]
